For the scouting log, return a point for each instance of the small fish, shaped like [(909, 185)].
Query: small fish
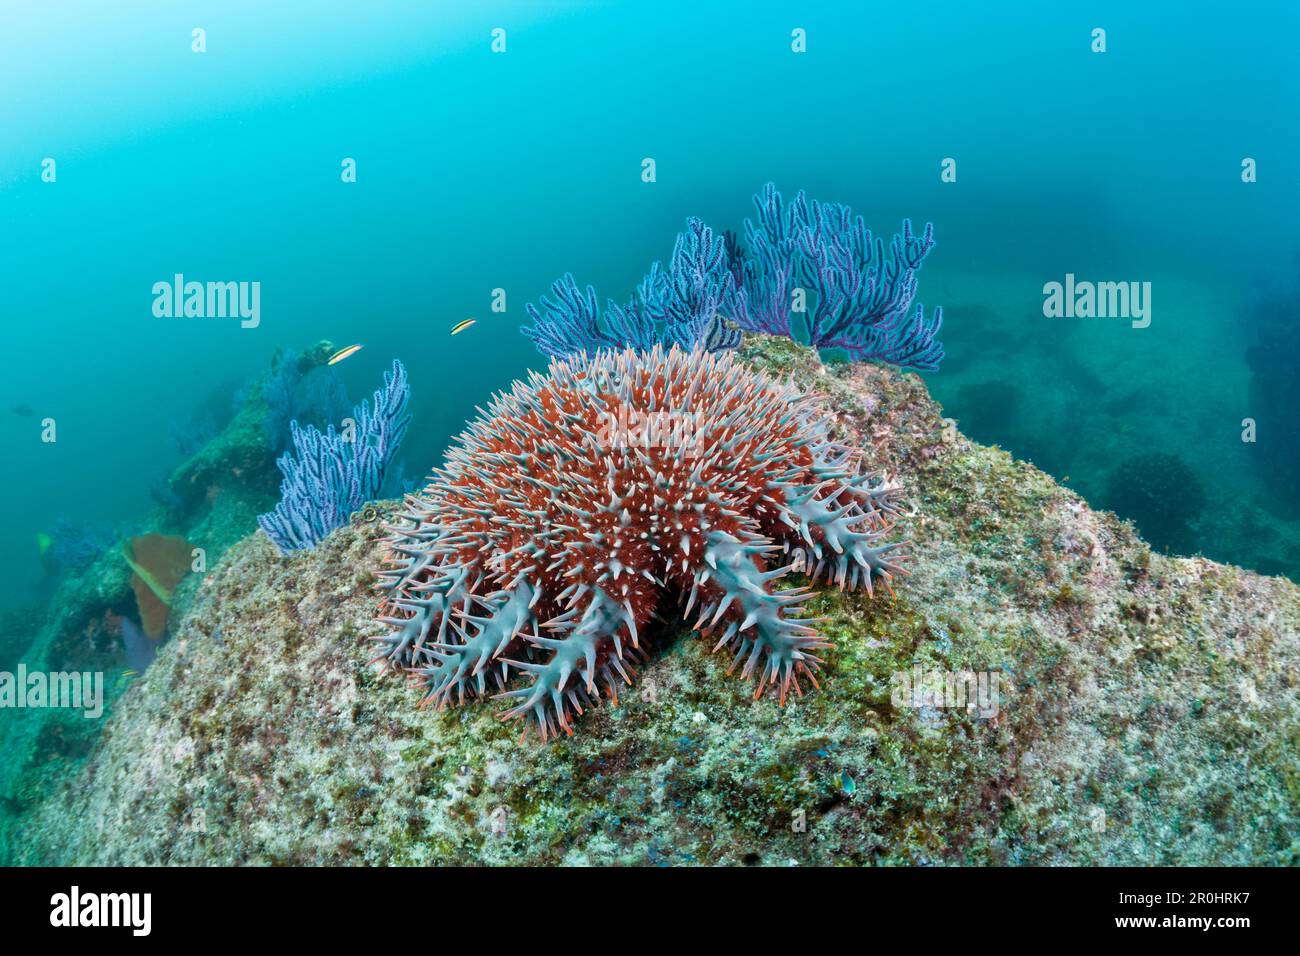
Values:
[(462, 326), (25, 411), (43, 542), (341, 354), (847, 784)]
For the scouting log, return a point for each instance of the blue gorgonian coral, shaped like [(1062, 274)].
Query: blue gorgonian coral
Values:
[(684, 304), (621, 487), (853, 297), (809, 270), (329, 475)]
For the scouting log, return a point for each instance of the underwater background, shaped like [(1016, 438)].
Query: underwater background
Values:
[(478, 171)]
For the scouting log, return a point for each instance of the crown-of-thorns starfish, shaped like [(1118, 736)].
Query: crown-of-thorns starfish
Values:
[(588, 501)]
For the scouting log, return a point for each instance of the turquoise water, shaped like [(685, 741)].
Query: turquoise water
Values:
[(478, 171)]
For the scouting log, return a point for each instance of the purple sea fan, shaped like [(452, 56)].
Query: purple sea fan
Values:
[(570, 321), (696, 299), (854, 297), (619, 487), (689, 303), (805, 257), (330, 475)]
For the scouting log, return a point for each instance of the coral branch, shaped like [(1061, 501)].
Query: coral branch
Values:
[(331, 475), (690, 303), (860, 300), (805, 258)]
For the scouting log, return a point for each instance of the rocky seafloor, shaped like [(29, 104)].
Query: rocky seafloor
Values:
[(1148, 712)]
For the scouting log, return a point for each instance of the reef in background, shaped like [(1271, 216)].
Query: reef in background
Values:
[(1162, 496), (1275, 399), (212, 499), (1148, 710)]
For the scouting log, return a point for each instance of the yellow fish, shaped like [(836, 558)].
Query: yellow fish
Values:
[(341, 354), (462, 326), (43, 542)]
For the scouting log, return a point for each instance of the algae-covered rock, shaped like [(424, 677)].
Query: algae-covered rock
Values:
[(1146, 709), (237, 467), (218, 493)]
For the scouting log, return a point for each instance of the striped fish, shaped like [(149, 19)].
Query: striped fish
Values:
[(341, 354)]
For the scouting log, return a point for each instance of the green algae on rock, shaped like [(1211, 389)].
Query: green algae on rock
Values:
[(1149, 708)]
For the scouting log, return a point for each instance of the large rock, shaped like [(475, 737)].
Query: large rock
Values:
[(215, 497), (1147, 710)]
